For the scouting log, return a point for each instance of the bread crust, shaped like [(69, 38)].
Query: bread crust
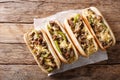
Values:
[(58, 63), (60, 55), (88, 25), (75, 41)]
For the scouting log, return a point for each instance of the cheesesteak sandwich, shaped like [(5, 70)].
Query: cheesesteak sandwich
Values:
[(61, 42), (80, 35), (99, 27), (42, 50)]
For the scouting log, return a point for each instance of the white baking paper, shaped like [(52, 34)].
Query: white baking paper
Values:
[(61, 16)]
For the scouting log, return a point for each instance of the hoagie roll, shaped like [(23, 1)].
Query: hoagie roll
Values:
[(42, 50), (61, 42), (80, 35), (99, 27)]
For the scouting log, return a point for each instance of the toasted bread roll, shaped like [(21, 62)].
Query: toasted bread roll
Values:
[(99, 27), (61, 42), (80, 35), (42, 50)]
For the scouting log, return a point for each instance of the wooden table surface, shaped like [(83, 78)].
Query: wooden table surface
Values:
[(16, 18)]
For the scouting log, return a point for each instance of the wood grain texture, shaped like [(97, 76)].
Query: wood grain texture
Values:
[(16, 18), (13, 32), (15, 54), (19, 54), (32, 72), (25, 11)]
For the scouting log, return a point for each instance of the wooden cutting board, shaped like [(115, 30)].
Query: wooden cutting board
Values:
[(16, 18)]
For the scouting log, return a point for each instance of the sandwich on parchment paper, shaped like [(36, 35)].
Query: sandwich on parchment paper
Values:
[(42, 50), (61, 42), (80, 35), (99, 27)]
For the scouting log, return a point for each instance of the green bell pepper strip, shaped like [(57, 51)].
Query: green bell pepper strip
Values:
[(63, 35), (56, 43), (50, 69), (76, 18), (57, 46), (36, 34), (48, 26), (49, 29)]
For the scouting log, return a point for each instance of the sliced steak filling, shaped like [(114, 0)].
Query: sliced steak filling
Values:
[(61, 42), (99, 28), (40, 50), (82, 35)]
